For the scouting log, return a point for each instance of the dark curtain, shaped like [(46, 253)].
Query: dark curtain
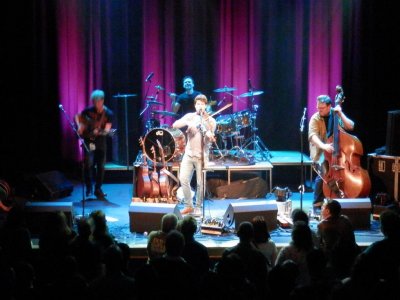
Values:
[(57, 52)]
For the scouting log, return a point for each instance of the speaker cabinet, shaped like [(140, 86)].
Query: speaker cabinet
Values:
[(384, 171), (37, 213), (147, 216), (53, 185), (393, 133), (247, 210), (358, 210)]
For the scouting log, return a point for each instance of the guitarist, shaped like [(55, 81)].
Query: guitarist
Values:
[(320, 128), (94, 124)]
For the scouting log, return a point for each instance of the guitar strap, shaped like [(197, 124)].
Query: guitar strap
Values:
[(171, 175)]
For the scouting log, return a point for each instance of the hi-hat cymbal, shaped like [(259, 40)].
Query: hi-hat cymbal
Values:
[(251, 94), (151, 102), (225, 89), (165, 113), (124, 95)]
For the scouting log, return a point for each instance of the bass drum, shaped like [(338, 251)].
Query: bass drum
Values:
[(172, 140)]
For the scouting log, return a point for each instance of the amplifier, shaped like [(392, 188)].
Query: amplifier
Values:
[(384, 173)]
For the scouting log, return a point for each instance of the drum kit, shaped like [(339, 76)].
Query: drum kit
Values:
[(231, 130)]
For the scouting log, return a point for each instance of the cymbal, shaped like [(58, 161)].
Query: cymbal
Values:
[(251, 94), (152, 102), (225, 89), (124, 95), (165, 113)]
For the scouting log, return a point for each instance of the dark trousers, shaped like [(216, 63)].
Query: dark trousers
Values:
[(318, 192), (94, 168)]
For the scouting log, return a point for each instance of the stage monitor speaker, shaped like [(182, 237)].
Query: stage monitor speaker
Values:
[(393, 133), (37, 214), (246, 210), (147, 216), (358, 210), (53, 185)]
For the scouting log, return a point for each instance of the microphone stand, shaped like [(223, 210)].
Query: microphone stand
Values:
[(301, 187), (145, 97), (202, 183), (84, 148)]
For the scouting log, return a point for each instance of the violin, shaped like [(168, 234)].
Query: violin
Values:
[(143, 183), (344, 177)]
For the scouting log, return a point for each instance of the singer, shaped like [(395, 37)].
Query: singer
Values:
[(94, 124), (200, 133), (320, 128)]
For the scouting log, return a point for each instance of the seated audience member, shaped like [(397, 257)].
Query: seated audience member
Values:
[(337, 239), (100, 234), (114, 284), (195, 253), (172, 269), (385, 254), (299, 215), (156, 240), (262, 240), (86, 252), (297, 251), (255, 263)]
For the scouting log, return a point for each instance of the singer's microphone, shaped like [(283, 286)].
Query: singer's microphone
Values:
[(149, 76), (61, 107), (339, 89), (305, 109)]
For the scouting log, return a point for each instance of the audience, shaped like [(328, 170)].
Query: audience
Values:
[(90, 264)]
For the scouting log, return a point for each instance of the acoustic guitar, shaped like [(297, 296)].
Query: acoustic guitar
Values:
[(143, 183)]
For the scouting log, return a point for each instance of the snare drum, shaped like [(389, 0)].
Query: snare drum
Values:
[(242, 119), (225, 125), (172, 140)]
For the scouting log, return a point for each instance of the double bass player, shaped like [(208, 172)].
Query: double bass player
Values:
[(320, 129)]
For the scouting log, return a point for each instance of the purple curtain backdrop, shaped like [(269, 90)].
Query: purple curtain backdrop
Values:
[(325, 50), (290, 50), (79, 64)]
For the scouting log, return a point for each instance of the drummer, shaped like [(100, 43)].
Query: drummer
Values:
[(183, 103)]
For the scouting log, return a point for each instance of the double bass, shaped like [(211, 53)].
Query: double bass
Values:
[(344, 177)]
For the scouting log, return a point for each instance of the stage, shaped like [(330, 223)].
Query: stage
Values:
[(120, 197)]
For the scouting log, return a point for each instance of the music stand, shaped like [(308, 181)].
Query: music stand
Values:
[(125, 98)]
